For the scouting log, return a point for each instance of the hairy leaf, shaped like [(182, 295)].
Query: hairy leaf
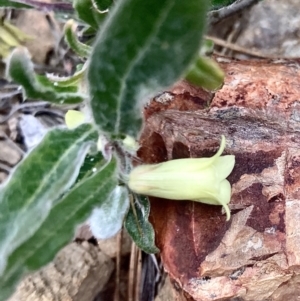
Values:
[(138, 226), (79, 48), (58, 227), (143, 47), (67, 81), (87, 13), (103, 5), (21, 70), (36, 184), (107, 219)]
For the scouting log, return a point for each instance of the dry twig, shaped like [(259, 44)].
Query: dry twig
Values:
[(240, 49), (215, 16)]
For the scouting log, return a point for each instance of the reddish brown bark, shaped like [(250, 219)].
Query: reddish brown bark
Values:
[(256, 255)]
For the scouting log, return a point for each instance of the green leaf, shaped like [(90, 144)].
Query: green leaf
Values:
[(89, 34), (143, 47), (138, 226), (206, 73), (221, 3), (37, 182), (90, 164), (207, 48), (21, 70), (103, 5), (79, 48), (66, 81), (45, 83), (12, 4), (86, 12), (107, 219), (58, 228)]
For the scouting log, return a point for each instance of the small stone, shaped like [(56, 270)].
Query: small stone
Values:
[(8, 154)]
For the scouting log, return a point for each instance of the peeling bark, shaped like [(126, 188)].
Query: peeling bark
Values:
[(256, 255)]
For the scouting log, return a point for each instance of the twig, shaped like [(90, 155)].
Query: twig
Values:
[(23, 106), (240, 49), (51, 111), (215, 16), (118, 267), (138, 276), (9, 94), (132, 275)]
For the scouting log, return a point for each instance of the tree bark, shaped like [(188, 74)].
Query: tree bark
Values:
[(256, 255)]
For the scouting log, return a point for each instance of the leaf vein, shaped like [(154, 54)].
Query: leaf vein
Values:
[(137, 59)]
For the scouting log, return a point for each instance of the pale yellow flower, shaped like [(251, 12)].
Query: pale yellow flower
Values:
[(197, 179)]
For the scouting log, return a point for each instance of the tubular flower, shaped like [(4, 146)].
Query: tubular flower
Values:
[(197, 179)]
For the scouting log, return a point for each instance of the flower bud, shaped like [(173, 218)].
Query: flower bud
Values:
[(74, 118), (197, 179)]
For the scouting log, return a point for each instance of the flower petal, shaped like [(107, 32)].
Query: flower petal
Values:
[(224, 166), (173, 183), (224, 197)]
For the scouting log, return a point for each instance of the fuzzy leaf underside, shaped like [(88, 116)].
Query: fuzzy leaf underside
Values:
[(107, 219), (142, 48), (58, 228), (37, 182)]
